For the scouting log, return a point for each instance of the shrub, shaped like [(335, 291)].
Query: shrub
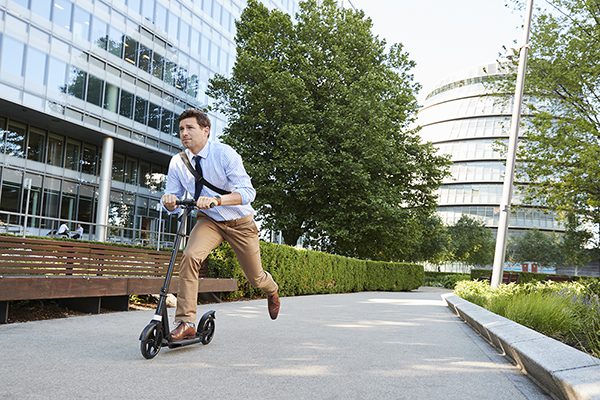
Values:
[(301, 272), (447, 280), (566, 311)]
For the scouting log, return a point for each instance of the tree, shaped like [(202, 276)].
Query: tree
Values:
[(471, 242), (562, 145), (534, 245), (435, 243), (320, 112)]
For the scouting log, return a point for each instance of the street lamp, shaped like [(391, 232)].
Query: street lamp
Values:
[(511, 155)]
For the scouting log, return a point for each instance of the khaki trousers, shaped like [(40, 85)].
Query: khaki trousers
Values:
[(242, 235)]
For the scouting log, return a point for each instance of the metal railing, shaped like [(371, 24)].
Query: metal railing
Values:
[(13, 223)]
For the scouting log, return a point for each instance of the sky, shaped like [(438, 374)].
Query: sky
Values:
[(444, 37)]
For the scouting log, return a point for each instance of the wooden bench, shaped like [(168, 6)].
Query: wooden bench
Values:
[(86, 276)]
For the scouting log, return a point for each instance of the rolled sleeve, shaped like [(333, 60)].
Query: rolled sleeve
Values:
[(239, 179), (174, 185)]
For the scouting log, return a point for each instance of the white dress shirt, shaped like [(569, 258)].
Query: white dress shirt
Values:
[(222, 166)]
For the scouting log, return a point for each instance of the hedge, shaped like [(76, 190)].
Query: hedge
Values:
[(522, 277), (303, 272)]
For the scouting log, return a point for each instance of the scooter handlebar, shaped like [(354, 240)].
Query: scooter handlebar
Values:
[(190, 203), (186, 202)]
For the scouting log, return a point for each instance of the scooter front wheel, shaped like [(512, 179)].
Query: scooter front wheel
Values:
[(151, 340)]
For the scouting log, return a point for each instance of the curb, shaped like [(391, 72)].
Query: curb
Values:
[(562, 371)]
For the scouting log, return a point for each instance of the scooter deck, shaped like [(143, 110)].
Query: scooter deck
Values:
[(184, 342)]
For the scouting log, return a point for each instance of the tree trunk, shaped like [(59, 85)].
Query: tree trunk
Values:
[(290, 236)]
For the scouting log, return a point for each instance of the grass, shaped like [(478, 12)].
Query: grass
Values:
[(566, 311)]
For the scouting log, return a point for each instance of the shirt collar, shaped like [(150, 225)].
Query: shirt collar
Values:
[(203, 153)]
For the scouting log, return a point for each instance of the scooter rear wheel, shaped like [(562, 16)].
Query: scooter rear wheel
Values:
[(208, 330), (151, 340)]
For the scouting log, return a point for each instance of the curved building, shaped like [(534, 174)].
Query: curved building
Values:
[(463, 118), (90, 91)]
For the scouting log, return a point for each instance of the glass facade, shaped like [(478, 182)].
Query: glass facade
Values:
[(74, 74), (466, 120)]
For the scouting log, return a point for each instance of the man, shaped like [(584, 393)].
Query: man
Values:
[(213, 168), (78, 232), (63, 230)]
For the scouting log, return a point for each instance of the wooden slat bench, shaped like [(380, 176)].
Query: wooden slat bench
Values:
[(85, 276)]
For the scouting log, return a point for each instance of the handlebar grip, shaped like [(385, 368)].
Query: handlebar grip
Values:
[(187, 202)]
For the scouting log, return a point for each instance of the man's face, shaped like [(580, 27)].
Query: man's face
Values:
[(192, 135)]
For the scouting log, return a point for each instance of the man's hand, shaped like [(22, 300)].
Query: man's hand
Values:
[(205, 202), (168, 201)]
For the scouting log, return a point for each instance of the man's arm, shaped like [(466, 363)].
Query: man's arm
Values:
[(174, 189)]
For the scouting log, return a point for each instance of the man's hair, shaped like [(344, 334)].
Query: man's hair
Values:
[(200, 116)]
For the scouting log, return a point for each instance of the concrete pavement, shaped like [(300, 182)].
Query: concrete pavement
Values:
[(370, 345)]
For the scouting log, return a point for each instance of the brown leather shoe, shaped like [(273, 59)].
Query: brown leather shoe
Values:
[(183, 331), (273, 305)]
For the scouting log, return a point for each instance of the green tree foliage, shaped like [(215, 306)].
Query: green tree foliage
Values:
[(562, 145), (320, 112), (534, 245), (435, 243), (549, 248), (471, 242)]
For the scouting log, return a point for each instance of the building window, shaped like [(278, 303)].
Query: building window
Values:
[(118, 168), (42, 8), (161, 17), (36, 144), (14, 141), (100, 33), (35, 67), (131, 171), (145, 176), (130, 53), (77, 83), (115, 42), (141, 110), (12, 56), (158, 63), (9, 196), (166, 121), (126, 106), (55, 150), (73, 153), (144, 58), (61, 13), (85, 210), (88, 161), (57, 70), (154, 116), (111, 97), (68, 202), (94, 90), (81, 24), (148, 10)]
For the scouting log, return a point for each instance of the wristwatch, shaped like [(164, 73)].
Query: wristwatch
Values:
[(218, 199)]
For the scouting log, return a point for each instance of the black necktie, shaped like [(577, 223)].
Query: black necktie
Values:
[(198, 181)]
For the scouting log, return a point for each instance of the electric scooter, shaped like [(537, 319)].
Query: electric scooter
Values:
[(157, 333)]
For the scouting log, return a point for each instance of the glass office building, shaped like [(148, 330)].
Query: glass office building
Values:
[(463, 118), (90, 91)]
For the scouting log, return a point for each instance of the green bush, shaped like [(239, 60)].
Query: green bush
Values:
[(390, 276), (446, 280), (566, 311), (302, 272)]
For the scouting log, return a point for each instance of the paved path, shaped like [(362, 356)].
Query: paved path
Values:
[(371, 345)]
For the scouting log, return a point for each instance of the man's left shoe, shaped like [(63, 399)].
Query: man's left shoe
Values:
[(273, 305)]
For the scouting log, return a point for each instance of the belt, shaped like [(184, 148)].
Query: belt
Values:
[(230, 223)]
